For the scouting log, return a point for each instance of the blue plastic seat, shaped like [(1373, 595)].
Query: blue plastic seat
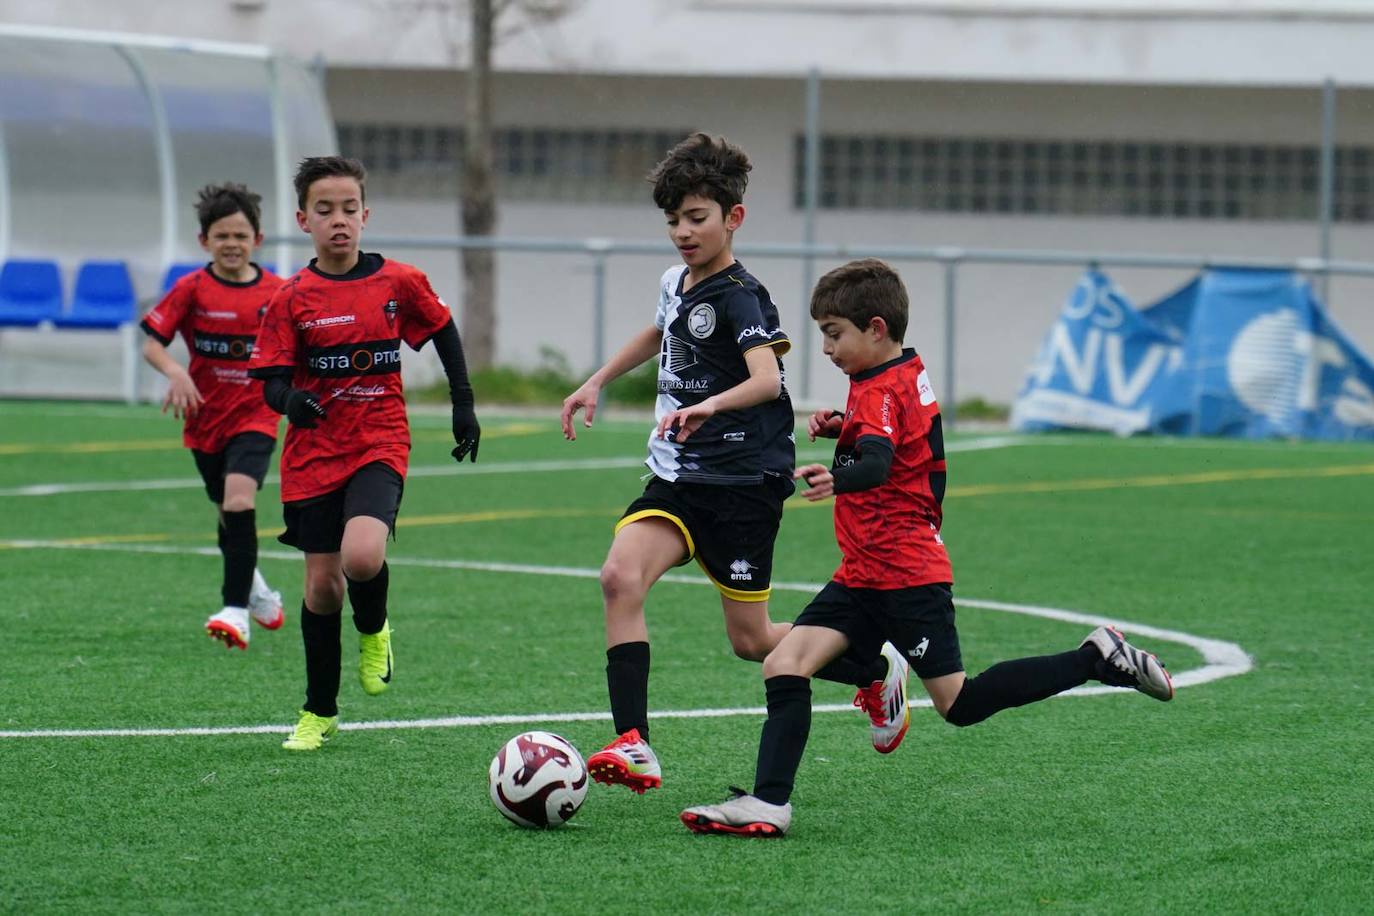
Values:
[(30, 292), (176, 271), (103, 298)]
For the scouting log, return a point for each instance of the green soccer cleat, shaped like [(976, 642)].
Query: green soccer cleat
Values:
[(375, 660), (312, 732)]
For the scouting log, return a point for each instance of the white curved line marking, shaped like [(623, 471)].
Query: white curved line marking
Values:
[(1222, 659)]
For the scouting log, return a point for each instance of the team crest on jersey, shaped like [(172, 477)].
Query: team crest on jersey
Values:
[(701, 320), (391, 308)]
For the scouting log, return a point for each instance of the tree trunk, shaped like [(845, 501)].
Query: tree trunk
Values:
[(479, 197)]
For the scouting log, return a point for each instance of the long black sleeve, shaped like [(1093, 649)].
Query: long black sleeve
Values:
[(869, 470), (276, 388), (450, 349), (467, 432)]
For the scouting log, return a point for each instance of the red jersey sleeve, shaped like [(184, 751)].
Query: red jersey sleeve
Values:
[(163, 319), (881, 412), (423, 313), (276, 343)]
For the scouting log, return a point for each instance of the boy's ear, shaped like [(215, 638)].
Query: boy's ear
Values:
[(877, 326), (301, 221), (734, 217), (204, 241)]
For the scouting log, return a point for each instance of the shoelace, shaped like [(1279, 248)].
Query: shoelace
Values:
[(870, 700)]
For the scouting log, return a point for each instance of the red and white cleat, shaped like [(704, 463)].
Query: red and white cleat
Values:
[(229, 626), (627, 761)]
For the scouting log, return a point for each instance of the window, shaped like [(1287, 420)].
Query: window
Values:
[(1085, 178), (530, 163)]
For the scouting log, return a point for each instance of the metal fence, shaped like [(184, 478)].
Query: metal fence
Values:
[(600, 250)]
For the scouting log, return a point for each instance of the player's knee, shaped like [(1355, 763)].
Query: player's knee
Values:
[(620, 582), (751, 647), (238, 502), (324, 594), (777, 664), (362, 567)]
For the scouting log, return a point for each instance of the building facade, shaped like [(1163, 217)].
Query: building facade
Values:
[(1188, 127)]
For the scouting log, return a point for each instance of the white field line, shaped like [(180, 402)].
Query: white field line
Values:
[(552, 466), (1222, 659)]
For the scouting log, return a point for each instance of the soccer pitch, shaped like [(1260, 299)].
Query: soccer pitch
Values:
[(140, 767)]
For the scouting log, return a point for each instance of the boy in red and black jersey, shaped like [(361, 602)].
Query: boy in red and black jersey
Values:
[(228, 428), (329, 353), (894, 582)]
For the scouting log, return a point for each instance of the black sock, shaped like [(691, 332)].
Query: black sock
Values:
[(1016, 683), (369, 601), (848, 670), (320, 632), (238, 542), (784, 737), (627, 680)]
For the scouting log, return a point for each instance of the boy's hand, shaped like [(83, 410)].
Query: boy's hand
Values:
[(467, 433), (820, 482), (182, 396), (583, 398), (303, 410), (687, 420), (825, 423)]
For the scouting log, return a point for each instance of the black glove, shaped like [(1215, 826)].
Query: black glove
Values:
[(466, 432), (303, 410)]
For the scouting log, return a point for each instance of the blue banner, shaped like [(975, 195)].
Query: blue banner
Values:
[(1235, 352)]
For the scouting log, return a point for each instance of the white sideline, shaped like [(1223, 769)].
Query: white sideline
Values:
[(439, 470), (1222, 659)]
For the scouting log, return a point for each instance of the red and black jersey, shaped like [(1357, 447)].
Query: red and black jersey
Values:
[(889, 535), (219, 321), (341, 336)]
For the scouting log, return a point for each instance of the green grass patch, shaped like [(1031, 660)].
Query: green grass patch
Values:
[(1245, 794)]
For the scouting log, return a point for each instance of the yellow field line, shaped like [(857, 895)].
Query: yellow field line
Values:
[(1029, 487), (1158, 480), (157, 445)]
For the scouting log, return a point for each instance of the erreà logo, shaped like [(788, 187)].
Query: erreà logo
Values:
[(740, 570)]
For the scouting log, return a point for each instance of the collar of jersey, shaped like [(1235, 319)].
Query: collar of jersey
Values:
[(725, 272), (368, 264), (235, 283), (908, 354)]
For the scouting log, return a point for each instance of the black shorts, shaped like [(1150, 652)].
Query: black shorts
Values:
[(316, 525), (729, 530), (919, 621), (246, 453)]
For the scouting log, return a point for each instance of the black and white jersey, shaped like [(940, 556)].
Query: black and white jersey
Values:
[(706, 333)]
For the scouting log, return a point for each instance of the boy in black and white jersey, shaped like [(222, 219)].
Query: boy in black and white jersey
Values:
[(721, 453)]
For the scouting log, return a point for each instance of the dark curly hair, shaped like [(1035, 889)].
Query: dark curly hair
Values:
[(216, 201), (709, 166)]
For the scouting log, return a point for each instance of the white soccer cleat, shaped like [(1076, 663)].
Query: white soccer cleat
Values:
[(741, 814), (1123, 665), (229, 626), (627, 761), (264, 605), (886, 702)]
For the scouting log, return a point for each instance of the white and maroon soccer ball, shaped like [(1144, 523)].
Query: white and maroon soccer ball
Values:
[(538, 779)]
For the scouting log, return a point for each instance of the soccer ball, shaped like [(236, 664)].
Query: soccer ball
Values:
[(538, 779)]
